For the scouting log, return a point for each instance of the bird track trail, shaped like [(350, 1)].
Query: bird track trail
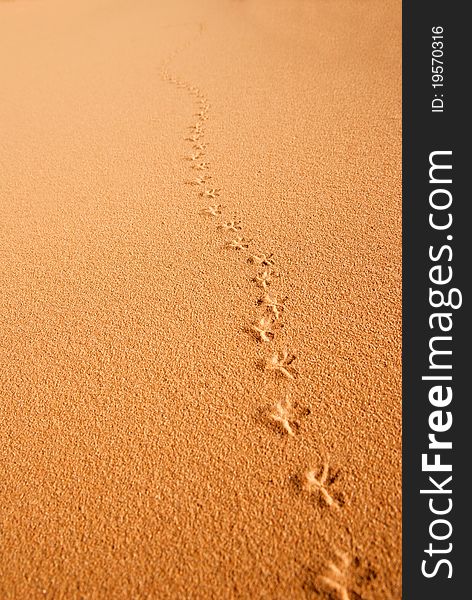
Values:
[(315, 481)]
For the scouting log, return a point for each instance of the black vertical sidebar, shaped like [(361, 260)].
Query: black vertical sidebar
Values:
[(425, 132)]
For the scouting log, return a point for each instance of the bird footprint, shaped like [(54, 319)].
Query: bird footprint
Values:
[(214, 210), (336, 575), (201, 166), (282, 415), (316, 481), (196, 127), (212, 193), (264, 279), (196, 181), (346, 577), (264, 329), (195, 156), (263, 260), (281, 363), (272, 304), (231, 226), (238, 244)]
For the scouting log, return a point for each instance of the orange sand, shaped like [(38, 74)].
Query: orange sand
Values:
[(139, 456)]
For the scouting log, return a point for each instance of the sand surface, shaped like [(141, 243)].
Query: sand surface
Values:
[(140, 457)]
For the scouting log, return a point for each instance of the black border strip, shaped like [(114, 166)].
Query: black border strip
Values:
[(425, 132)]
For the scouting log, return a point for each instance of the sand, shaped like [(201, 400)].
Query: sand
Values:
[(152, 444)]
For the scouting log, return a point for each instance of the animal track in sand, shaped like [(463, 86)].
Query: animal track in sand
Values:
[(201, 166), (238, 244), (193, 138), (197, 128), (264, 329), (214, 210), (282, 415), (231, 226), (318, 482), (335, 580), (346, 577), (281, 363), (264, 279), (195, 156), (336, 576), (199, 180), (262, 260), (211, 193), (272, 304)]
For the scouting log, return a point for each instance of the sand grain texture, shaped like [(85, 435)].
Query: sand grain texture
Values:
[(139, 449)]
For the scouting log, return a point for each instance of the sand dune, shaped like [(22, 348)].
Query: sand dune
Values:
[(200, 314)]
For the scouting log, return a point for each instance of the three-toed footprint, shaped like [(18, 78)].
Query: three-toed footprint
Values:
[(272, 304), (264, 260), (319, 481), (281, 363), (234, 226), (201, 166), (282, 415), (264, 329), (238, 243), (264, 279), (211, 193), (214, 210)]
